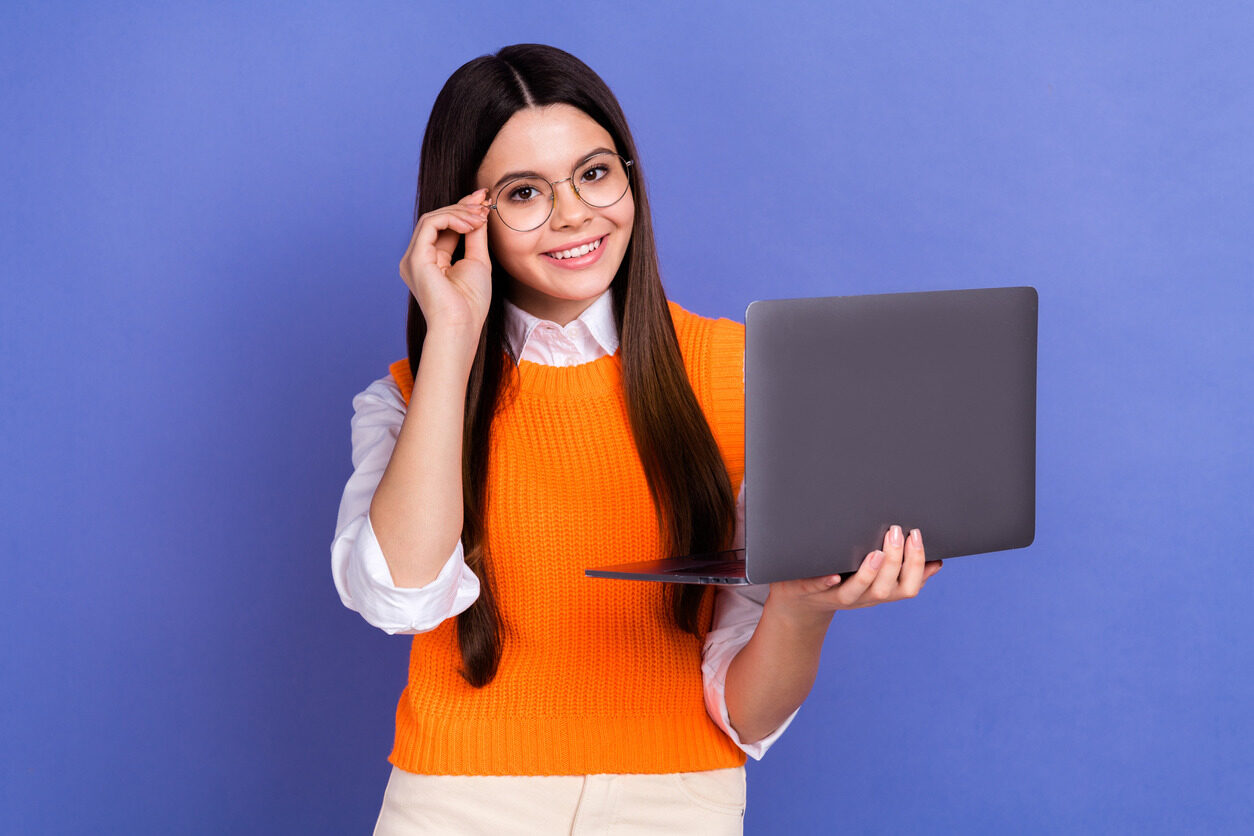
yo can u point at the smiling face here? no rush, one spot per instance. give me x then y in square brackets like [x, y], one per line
[550, 141]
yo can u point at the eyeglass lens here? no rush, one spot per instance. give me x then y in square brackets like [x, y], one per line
[526, 203]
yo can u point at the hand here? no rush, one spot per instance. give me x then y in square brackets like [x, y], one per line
[897, 571]
[451, 296]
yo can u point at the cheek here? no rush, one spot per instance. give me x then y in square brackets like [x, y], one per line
[507, 248]
[626, 214]
[496, 242]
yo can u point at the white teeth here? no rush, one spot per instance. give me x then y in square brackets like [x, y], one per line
[577, 251]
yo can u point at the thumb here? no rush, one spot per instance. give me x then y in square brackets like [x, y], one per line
[477, 244]
[811, 586]
[821, 584]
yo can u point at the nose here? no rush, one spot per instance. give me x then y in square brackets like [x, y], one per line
[568, 209]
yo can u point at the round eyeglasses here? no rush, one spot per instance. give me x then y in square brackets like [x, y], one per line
[525, 203]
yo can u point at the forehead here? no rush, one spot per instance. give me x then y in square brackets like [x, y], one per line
[548, 140]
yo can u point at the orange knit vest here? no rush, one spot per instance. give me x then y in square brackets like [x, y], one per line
[594, 676]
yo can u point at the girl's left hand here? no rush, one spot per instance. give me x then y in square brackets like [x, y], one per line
[897, 571]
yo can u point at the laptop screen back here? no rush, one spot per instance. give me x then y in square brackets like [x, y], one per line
[909, 408]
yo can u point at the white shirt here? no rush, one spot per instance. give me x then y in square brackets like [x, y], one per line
[361, 573]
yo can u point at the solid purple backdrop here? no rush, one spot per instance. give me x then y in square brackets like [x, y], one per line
[204, 207]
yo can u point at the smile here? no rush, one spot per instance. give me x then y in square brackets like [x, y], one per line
[576, 252]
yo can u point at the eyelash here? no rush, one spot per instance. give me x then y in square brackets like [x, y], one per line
[599, 167]
[513, 194]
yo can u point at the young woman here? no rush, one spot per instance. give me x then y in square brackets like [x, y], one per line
[561, 414]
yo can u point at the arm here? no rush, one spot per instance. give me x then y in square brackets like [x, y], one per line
[358, 565]
[738, 615]
[417, 510]
[737, 611]
[774, 672]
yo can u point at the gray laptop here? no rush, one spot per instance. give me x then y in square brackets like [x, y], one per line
[864, 411]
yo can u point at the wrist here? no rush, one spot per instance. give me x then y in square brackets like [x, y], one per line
[452, 341]
[797, 618]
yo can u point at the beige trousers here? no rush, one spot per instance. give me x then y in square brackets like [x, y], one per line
[703, 803]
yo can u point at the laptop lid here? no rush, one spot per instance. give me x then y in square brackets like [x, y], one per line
[865, 411]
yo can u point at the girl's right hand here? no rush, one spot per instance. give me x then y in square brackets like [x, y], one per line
[453, 297]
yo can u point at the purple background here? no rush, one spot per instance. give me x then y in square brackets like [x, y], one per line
[203, 210]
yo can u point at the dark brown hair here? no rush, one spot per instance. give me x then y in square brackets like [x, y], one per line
[691, 490]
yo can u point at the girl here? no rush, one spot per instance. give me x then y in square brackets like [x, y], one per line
[555, 412]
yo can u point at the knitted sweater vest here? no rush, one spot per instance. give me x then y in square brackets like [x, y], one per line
[594, 676]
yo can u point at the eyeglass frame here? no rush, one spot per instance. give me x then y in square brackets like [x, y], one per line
[571, 179]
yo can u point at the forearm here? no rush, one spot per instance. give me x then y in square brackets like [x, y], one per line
[416, 511]
[773, 673]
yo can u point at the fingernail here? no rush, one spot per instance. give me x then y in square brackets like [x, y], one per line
[833, 580]
[894, 535]
[877, 558]
[916, 538]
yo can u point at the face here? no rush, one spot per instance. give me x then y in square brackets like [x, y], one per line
[551, 141]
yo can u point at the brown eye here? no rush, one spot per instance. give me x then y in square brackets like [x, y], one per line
[594, 174]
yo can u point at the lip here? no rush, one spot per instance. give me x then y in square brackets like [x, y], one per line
[583, 260]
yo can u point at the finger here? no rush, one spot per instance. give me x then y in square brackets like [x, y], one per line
[427, 233]
[452, 225]
[812, 586]
[435, 238]
[912, 566]
[445, 243]
[477, 243]
[471, 215]
[475, 198]
[435, 231]
[476, 203]
[884, 587]
[853, 587]
[932, 568]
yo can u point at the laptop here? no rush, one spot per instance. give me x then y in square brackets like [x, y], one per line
[863, 411]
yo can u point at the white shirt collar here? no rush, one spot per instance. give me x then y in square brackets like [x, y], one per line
[593, 334]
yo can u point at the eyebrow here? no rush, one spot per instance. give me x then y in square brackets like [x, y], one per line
[514, 175]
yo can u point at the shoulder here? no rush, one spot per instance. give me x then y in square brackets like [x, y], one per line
[688, 321]
[378, 413]
[402, 377]
[714, 354]
[382, 395]
[704, 337]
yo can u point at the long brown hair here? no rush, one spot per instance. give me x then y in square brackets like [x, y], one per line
[688, 481]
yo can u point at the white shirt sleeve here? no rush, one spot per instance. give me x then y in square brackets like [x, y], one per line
[361, 573]
[737, 611]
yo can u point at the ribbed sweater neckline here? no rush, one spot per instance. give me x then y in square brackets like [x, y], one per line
[587, 380]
